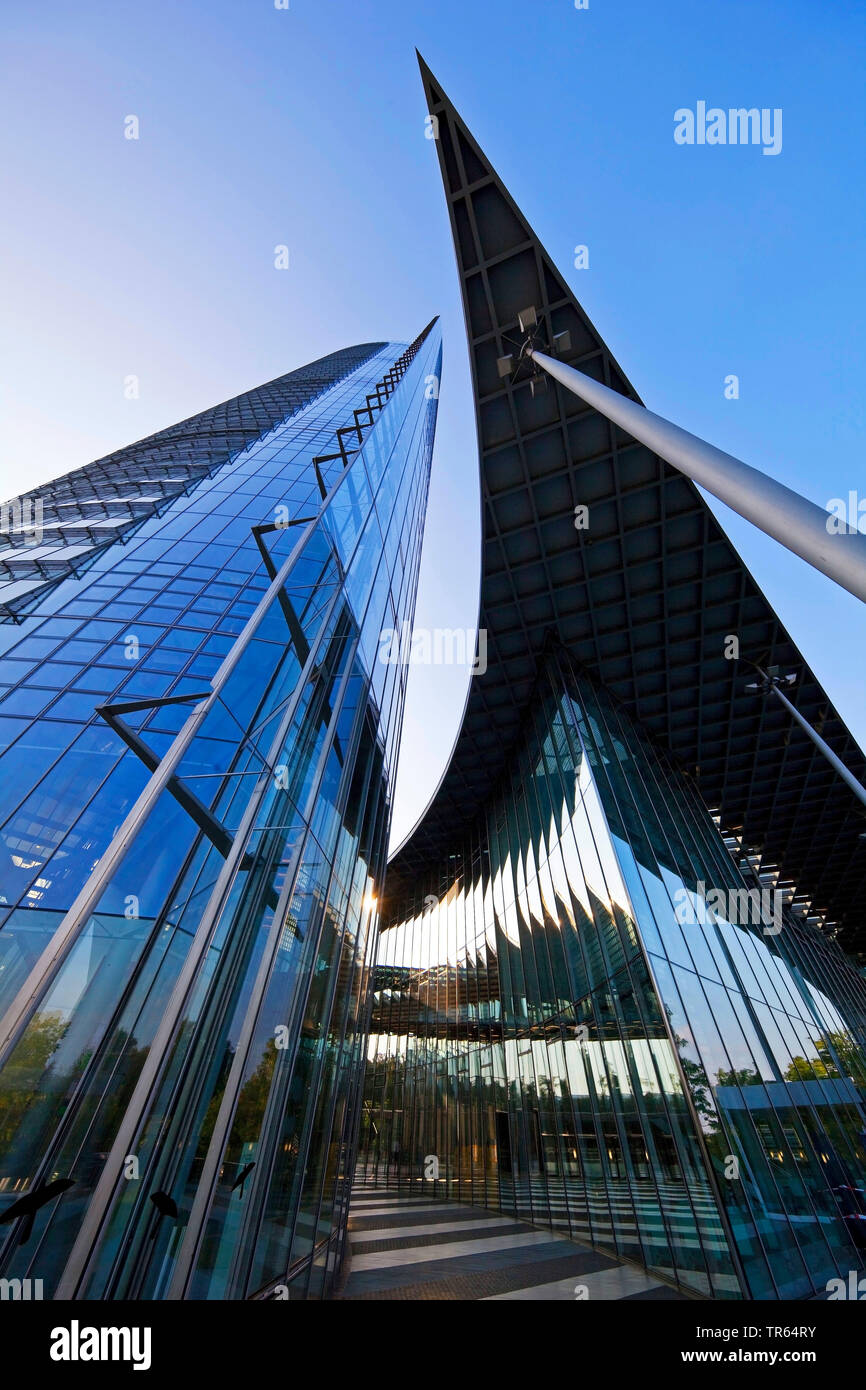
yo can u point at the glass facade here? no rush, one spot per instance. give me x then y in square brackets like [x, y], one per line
[581, 1018]
[58, 529]
[195, 790]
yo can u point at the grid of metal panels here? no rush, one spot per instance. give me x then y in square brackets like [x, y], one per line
[643, 599]
[86, 510]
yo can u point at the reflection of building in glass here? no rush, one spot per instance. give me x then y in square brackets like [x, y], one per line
[518, 1035]
[195, 793]
[548, 1034]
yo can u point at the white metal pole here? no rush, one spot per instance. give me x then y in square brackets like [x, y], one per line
[848, 777]
[792, 520]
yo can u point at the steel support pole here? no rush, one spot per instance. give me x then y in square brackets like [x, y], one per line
[847, 777]
[796, 523]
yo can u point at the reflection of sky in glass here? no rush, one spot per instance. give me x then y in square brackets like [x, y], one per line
[559, 906]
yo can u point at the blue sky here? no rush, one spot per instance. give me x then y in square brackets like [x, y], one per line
[305, 127]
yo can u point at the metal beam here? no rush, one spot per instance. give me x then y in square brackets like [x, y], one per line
[196, 809]
[772, 683]
[799, 525]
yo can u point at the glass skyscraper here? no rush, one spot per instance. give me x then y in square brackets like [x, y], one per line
[198, 759]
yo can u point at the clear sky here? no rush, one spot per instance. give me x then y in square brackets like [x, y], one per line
[304, 127]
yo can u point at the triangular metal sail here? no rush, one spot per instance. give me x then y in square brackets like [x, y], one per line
[644, 598]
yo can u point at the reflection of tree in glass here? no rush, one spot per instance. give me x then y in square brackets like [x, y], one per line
[123, 1063]
[823, 1066]
[744, 1076]
[251, 1106]
[803, 1070]
[699, 1086]
[696, 1078]
[23, 1074]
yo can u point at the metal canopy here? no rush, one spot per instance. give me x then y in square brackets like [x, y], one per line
[643, 599]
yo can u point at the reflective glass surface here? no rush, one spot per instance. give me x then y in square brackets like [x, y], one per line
[195, 795]
[562, 1028]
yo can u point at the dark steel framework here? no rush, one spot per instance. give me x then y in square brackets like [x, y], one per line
[643, 599]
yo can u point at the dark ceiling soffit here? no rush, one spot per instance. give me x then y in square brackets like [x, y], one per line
[643, 600]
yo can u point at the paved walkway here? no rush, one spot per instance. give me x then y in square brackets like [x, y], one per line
[408, 1248]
